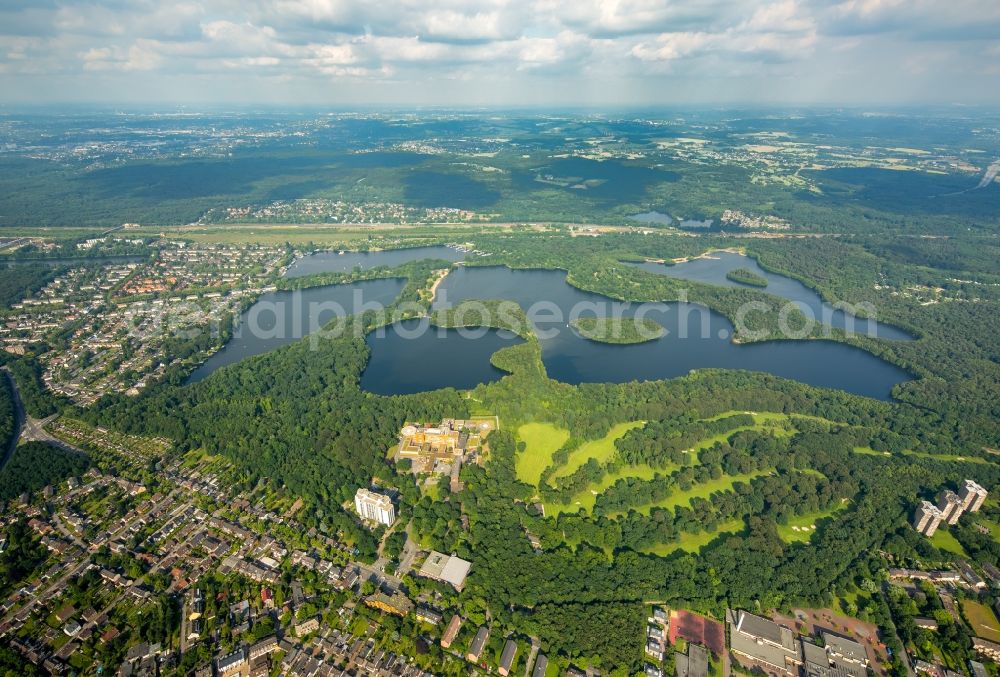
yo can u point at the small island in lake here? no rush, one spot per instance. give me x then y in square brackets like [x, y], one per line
[618, 330]
[746, 276]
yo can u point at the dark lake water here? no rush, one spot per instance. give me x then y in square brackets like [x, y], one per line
[713, 271]
[334, 262]
[696, 338]
[411, 357]
[658, 218]
[282, 317]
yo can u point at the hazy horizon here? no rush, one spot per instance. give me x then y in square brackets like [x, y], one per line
[500, 53]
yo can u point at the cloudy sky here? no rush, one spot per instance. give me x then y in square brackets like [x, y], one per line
[500, 52]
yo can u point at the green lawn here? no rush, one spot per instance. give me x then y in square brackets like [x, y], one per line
[982, 619]
[695, 542]
[600, 450]
[992, 526]
[801, 528]
[923, 454]
[542, 440]
[702, 490]
[943, 540]
[588, 497]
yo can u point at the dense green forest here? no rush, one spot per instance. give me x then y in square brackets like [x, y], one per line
[297, 417]
[21, 281]
[620, 331]
[692, 504]
[35, 465]
[746, 276]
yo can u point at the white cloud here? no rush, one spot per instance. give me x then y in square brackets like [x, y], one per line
[597, 47]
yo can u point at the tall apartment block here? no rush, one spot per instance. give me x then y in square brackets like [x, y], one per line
[972, 496]
[375, 507]
[951, 506]
[927, 519]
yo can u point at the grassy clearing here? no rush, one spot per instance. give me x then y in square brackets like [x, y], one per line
[695, 542]
[992, 526]
[601, 450]
[982, 619]
[587, 498]
[764, 421]
[800, 529]
[541, 441]
[923, 454]
[943, 540]
[703, 490]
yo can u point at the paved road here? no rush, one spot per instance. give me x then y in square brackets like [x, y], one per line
[31, 429]
[530, 663]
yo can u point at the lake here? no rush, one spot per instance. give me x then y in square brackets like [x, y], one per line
[713, 269]
[412, 357]
[334, 262]
[282, 317]
[696, 338]
[654, 217]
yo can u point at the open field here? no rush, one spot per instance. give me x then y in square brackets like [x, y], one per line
[802, 527]
[702, 490]
[542, 440]
[587, 498]
[695, 542]
[922, 454]
[982, 619]
[777, 423]
[992, 526]
[600, 450]
[943, 540]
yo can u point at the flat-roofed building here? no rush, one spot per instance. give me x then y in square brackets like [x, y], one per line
[846, 653]
[951, 506]
[447, 568]
[478, 644]
[375, 507]
[972, 496]
[927, 518]
[763, 641]
[692, 664]
[507, 657]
